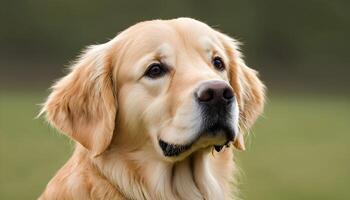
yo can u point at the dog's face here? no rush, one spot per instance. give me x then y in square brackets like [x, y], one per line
[172, 87]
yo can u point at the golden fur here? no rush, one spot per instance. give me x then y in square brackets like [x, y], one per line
[116, 116]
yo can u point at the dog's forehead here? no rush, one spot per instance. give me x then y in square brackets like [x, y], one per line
[172, 41]
[150, 35]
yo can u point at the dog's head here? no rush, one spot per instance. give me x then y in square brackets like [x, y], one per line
[172, 87]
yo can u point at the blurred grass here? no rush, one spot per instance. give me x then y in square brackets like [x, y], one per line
[30, 151]
[298, 150]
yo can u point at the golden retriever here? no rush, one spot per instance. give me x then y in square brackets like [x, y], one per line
[155, 113]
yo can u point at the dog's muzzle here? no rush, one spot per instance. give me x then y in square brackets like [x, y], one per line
[215, 100]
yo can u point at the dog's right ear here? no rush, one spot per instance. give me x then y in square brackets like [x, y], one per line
[83, 103]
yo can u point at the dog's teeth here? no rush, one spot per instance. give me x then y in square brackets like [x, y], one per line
[218, 148]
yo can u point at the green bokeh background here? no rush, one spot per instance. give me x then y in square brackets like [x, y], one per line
[299, 149]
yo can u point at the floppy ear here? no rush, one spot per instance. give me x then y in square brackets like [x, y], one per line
[82, 104]
[250, 91]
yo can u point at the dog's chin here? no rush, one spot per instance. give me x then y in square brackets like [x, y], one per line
[215, 139]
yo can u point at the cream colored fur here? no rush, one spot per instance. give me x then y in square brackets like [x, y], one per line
[116, 115]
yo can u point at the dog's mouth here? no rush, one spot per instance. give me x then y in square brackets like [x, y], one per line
[173, 150]
[170, 150]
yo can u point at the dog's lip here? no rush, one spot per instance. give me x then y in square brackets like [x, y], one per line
[219, 147]
[171, 150]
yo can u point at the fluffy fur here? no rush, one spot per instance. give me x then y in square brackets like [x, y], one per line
[116, 115]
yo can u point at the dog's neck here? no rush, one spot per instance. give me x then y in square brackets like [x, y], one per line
[137, 175]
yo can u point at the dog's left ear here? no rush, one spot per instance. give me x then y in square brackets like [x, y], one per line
[249, 90]
[83, 104]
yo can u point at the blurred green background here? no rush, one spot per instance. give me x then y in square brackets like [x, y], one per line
[299, 149]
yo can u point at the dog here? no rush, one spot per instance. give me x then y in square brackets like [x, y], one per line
[155, 113]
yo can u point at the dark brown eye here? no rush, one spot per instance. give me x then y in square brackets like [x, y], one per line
[218, 63]
[156, 70]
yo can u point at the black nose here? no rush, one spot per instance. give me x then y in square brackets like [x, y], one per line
[213, 92]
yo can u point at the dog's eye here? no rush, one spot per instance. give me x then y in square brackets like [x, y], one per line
[218, 63]
[156, 70]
